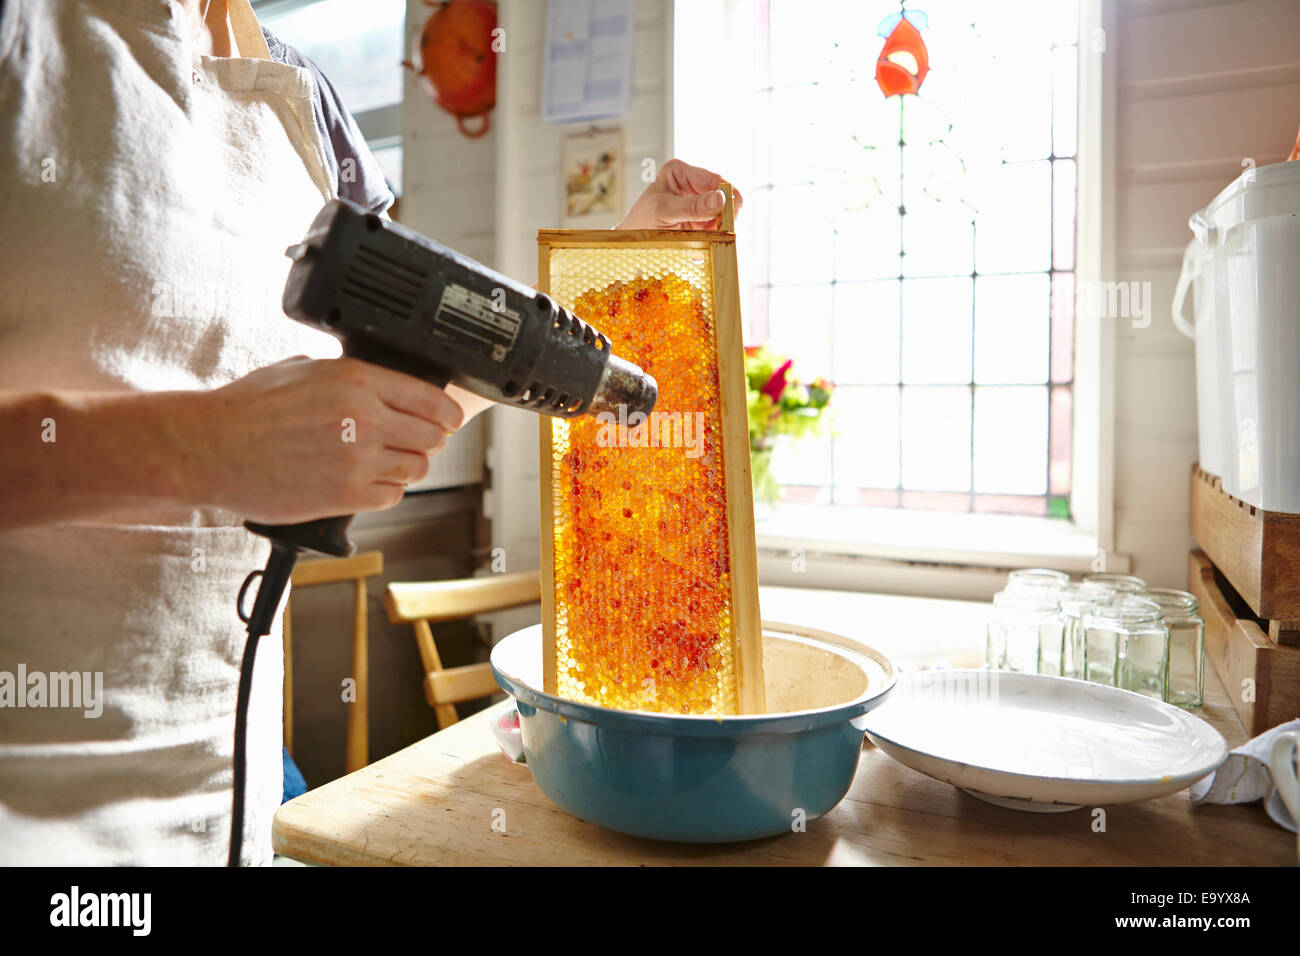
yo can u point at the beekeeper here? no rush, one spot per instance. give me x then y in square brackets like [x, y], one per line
[159, 157]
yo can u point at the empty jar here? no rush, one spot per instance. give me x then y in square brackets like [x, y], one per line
[1126, 645]
[1119, 583]
[1037, 578]
[1022, 625]
[1186, 684]
[1074, 603]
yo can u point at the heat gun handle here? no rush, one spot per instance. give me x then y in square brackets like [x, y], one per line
[330, 535]
[325, 535]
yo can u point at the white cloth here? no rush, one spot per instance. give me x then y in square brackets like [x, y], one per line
[1245, 777]
[149, 195]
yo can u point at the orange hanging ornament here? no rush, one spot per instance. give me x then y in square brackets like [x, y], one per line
[458, 60]
[904, 60]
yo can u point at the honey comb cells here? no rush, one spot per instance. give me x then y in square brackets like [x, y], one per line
[641, 556]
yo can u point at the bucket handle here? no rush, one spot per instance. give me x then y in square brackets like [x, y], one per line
[1194, 258]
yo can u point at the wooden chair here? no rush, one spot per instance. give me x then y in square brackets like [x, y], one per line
[309, 574]
[423, 602]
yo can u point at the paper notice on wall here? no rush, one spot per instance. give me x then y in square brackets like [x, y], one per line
[587, 70]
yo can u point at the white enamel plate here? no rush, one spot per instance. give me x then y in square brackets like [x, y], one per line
[1040, 743]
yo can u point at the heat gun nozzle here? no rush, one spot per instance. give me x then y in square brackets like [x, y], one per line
[623, 383]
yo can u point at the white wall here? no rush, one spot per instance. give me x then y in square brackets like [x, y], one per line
[1201, 86]
[448, 194]
[448, 180]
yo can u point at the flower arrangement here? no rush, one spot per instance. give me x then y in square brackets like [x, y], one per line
[779, 404]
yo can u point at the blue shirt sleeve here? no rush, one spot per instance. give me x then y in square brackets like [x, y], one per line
[353, 166]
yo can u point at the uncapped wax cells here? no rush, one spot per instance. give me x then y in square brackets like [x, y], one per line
[641, 561]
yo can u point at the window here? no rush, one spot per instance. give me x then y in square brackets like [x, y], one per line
[360, 48]
[918, 250]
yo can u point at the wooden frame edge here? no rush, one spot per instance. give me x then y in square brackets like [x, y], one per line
[746, 618]
[550, 681]
[632, 238]
[729, 346]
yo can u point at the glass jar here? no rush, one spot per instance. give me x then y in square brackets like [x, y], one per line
[1126, 645]
[1119, 583]
[1186, 684]
[1037, 578]
[1074, 603]
[1023, 625]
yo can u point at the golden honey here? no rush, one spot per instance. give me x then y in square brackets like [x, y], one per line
[641, 559]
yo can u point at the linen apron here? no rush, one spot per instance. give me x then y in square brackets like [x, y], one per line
[148, 198]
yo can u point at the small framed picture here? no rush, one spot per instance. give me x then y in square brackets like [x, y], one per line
[594, 168]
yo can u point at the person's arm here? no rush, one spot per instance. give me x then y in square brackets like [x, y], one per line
[294, 441]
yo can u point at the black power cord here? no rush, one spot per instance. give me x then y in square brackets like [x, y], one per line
[275, 578]
[241, 749]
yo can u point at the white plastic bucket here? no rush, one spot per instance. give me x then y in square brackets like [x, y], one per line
[1198, 278]
[1251, 234]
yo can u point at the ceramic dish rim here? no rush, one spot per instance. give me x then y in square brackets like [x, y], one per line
[706, 725]
[1162, 780]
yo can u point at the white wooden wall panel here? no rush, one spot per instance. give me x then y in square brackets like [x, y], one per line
[1201, 86]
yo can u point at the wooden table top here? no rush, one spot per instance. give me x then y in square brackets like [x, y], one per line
[436, 802]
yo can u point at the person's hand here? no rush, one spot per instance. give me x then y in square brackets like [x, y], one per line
[305, 439]
[681, 197]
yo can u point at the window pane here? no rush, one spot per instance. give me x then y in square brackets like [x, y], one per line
[1022, 120]
[936, 439]
[1062, 327]
[799, 327]
[938, 239]
[932, 280]
[1013, 228]
[1063, 192]
[1062, 436]
[805, 462]
[794, 113]
[871, 132]
[866, 448]
[1011, 440]
[361, 55]
[801, 44]
[760, 113]
[934, 173]
[866, 243]
[866, 334]
[1011, 329]
[936, 330]
[801, 236]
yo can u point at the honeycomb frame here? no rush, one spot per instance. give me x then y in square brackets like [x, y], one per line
[706, 660]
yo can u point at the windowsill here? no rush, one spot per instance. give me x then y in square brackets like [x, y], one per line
[931, 537]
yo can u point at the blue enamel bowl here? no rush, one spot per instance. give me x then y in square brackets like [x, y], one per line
[699, 779]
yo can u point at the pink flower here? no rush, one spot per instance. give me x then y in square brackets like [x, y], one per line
[776, 384]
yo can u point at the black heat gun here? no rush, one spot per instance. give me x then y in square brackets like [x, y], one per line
[400, 300]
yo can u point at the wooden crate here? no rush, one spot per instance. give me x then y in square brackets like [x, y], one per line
[1262, 678]
[1257, 551]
